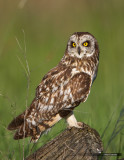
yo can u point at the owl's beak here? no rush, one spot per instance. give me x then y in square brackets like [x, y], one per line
[79, 50]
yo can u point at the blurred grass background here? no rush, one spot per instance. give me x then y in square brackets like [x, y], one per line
[47, 26]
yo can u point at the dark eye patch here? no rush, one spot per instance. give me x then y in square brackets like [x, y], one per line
[86, 44]
[73, 44]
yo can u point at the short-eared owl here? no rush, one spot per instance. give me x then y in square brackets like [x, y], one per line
[61, 89]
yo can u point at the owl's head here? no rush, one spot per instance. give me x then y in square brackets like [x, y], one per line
[81, 44]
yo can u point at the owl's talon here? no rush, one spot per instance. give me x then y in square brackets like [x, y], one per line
[80, 124]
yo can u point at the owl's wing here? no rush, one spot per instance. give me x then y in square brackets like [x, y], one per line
[64, 89]
[61, 89]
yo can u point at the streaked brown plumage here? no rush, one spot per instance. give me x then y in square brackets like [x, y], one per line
[62, 89]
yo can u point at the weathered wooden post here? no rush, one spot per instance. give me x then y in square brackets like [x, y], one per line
[72, 144]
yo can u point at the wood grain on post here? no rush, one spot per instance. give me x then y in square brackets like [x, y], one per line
[72, 144]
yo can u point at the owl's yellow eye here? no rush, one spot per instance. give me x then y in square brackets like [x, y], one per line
[73, 44]
[85, 44]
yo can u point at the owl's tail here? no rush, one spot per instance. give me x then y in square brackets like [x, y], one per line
[16, 122]
[20, 125]
[25, 130]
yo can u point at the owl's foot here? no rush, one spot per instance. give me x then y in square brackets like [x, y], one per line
[80, 124]
[77, 125]
[72, 122]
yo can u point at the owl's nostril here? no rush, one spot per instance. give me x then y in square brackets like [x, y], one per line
[79, 50]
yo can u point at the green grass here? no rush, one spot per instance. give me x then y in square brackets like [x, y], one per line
[47, 27]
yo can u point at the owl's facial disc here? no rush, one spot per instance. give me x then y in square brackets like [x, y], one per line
[81, 46]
